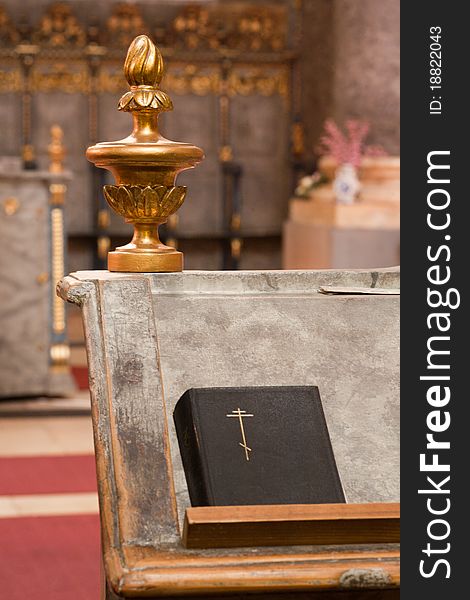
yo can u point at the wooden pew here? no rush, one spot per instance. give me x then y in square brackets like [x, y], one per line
[150, 337]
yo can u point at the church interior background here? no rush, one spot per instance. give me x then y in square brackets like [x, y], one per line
[262, 87]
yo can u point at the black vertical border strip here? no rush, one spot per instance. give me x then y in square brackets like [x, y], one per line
[422, 133]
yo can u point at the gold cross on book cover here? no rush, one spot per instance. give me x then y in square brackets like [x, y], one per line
[240, 415]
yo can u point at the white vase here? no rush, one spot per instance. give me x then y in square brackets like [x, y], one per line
[346, 185]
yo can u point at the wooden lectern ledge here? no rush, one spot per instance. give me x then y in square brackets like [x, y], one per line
[150, 337]
[291, 524]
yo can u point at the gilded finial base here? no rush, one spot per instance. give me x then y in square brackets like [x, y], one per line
[139, 262]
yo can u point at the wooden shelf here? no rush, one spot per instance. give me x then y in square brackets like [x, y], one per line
[291, 524]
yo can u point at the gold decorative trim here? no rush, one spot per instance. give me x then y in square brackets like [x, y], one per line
[200, 80]
[42, 277]
[124, 24]
[103, 244]
[59, 27]
[103, 219]
[11, 206]
[11, 81]
[8, 33]
[28, 154]
[236, 248]
[229, 26]
[57, 191]
[109, 81]
[59, 355]
[56, 150]
[226, 154]
[57, 270]
[59, 76]
[235, 222]
[140, 202]
[258, 81]
[192, 79]
[298, 139]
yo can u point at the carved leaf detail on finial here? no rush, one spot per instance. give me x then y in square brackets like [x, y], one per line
[137, 202]
[145, 99]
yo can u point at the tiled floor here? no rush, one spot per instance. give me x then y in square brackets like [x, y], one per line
[41, 505]
[40, 436]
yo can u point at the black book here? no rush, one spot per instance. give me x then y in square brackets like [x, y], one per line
[256, 445]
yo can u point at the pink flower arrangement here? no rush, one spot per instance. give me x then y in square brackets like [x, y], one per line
[349, 148]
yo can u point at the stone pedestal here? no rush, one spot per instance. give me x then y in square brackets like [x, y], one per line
[311, 246]
[322, 233]
[33, 342]
[151, 337]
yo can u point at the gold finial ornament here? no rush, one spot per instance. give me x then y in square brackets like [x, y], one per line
[145, 166]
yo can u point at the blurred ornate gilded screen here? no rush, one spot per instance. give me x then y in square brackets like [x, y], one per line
[231, 71]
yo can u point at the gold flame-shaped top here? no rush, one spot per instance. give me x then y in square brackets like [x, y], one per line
[144, 63]
[143, 69]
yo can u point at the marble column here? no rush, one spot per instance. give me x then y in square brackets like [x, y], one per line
[351, 67]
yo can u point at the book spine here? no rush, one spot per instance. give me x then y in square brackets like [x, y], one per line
[191, 451]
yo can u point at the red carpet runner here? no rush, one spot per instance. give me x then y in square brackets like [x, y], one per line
[81, 377]
[47, 475]
[49, 557]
